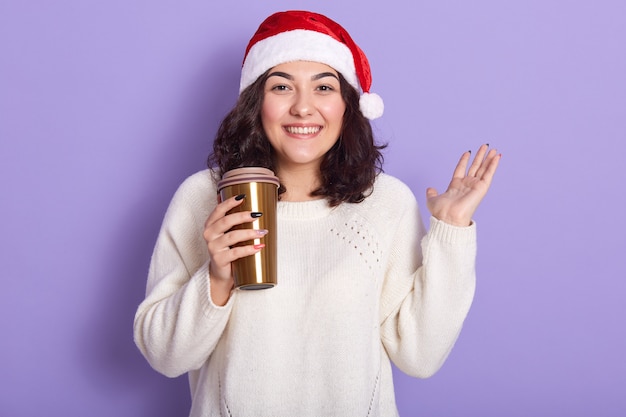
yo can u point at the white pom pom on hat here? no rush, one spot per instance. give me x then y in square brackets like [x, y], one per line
[371, 105]
[298, 35]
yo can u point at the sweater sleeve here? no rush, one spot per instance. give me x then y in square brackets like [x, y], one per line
[177, 326]
[427, 293]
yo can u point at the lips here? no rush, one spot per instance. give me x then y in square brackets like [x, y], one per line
[303, 130]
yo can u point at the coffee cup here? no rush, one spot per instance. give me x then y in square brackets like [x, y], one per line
[260, 187]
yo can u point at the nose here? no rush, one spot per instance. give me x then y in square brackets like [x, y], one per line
[302, 105]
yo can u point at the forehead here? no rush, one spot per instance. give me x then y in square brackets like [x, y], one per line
[304, 68]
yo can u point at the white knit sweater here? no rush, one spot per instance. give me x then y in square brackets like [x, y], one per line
[355, 290]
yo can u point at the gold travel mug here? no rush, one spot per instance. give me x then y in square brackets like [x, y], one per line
[260, 186]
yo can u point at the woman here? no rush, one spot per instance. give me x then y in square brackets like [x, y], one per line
[356, 290]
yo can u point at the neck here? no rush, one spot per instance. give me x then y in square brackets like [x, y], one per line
[299, 183]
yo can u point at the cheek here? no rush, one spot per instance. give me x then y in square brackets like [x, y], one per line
[266, 116]
[270, 121]
[271, 112]
[335, 112]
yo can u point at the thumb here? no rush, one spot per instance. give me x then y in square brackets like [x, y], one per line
[431, 192]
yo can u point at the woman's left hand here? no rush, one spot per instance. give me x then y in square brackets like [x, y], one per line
[466, 190]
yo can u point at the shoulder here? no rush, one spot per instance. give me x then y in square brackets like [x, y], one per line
[390, 198]
[387, 185]
[389, 213]
[198, 185]
[196, 192]
[391, 193]
[200, 181]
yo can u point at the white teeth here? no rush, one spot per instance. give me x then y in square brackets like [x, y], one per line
[309, 130]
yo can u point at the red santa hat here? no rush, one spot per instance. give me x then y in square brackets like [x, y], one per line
[305, 36]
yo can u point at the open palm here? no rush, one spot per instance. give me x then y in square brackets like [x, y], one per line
[467, 188]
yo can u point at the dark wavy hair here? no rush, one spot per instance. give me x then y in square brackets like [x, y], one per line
[348, 169]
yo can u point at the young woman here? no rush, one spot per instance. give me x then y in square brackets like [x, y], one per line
[361, 281]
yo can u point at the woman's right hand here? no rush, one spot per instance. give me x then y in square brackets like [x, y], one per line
[221, 240]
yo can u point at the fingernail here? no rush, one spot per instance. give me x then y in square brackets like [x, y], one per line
[261, 232]
[240, 197]
[487, 144]
[259, 246]
[256, 214]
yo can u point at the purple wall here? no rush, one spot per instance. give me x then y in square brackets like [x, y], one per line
[106, 106]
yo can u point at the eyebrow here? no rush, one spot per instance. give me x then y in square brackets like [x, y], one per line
[324, 74]
[313, 78]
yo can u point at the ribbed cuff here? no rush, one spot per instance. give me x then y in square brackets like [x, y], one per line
[208, 307]
[448, 233]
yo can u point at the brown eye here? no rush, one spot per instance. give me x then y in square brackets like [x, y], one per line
[279, 88]
[326, 88]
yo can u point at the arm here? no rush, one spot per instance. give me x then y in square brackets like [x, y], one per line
[178, 325]
[425, 301]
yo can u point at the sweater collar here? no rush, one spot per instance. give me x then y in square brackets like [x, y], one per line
[303, 210]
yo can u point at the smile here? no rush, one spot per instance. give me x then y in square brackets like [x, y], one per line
[299, 130]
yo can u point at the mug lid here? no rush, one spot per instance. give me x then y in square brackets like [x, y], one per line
[247, 174]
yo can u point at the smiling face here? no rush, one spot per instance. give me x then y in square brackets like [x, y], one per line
[302, 113]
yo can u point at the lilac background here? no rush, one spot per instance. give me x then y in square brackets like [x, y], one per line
[107, 106]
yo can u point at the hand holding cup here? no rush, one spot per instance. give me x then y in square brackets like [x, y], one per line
[224, 242]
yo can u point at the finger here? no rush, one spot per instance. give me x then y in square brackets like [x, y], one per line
[431, 193]
[222, 225]
[221, 249]
[490, 166]
[485, 163]
[478, 160]
[222, 208]
[239, 237]
[461, 166]
[223, 259]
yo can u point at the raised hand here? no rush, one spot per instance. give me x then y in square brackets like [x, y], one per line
[466, 190]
